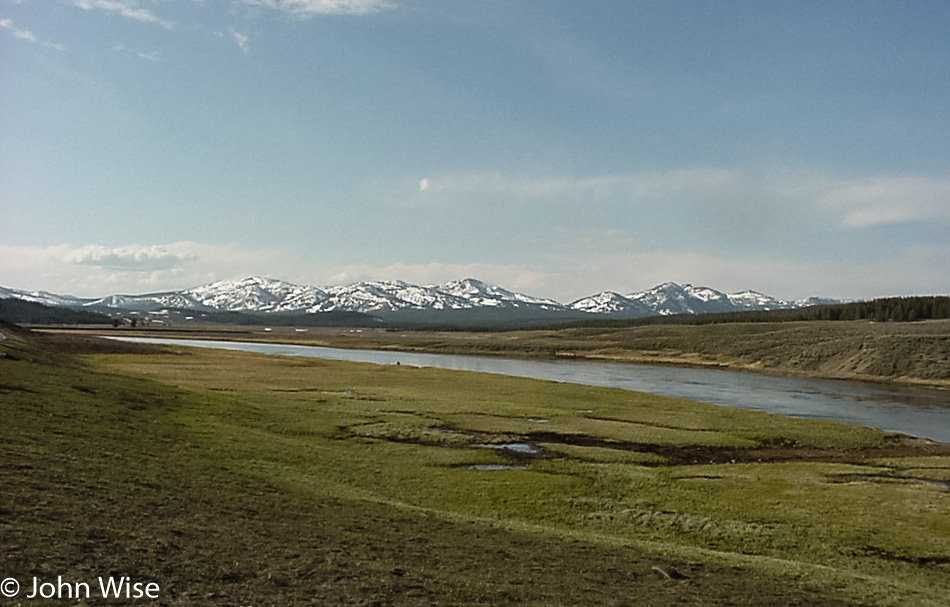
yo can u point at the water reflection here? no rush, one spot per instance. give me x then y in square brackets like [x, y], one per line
[521, 448]
[916, 411]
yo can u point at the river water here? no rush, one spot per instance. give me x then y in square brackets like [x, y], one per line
[916, 411]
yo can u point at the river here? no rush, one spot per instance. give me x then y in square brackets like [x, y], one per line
[915, 411]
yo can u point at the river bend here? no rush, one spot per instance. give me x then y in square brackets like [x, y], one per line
[915, 411]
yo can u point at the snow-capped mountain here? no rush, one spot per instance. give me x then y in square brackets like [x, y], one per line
[482, 294]
[389, 296]
[142, 303]
[670, 298]
[43, 297]
[254, 294]
[610, 302]
[267, 295]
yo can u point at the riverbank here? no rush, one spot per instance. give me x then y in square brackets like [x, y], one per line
[901, 353]
[915, 411]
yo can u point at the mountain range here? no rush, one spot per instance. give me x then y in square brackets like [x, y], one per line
[389, 298]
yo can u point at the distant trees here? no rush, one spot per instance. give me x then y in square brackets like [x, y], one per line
[19, 311]
[889, 309]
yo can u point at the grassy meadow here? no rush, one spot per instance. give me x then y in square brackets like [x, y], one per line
[232, 478]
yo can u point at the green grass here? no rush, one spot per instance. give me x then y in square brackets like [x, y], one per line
[247, 477]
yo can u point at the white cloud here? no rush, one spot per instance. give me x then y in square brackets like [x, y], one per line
[567, 265]
[241, 41]
[889, 200]
[659, 185]
[864, 202]
[309, 8]
[134, 258]
[125, 8]
[27, 35]
[605, 260]
[24, 35]
[96, 270]
[150, 56]
[429, 191]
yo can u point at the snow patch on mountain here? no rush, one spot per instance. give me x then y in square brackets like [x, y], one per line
[268, 295]
[42, 297]
[477, 293]
[671, 298]
[255, 294]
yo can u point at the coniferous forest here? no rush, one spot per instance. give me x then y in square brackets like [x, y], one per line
[888, 309]
[895, 309]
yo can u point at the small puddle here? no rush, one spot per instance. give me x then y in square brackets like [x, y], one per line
[846, 478]
[522, 448]
[537, 420]
[495, 467]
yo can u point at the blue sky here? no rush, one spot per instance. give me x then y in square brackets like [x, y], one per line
[559, 148]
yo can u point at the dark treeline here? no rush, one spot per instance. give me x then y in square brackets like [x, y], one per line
[281, 319]
[889, 309]
[895, 309]
[19, 311]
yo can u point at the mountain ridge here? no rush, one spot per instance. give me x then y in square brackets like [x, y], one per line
[256, 294]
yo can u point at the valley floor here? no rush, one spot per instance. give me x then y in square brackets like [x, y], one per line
[236, 479]
[911, 353]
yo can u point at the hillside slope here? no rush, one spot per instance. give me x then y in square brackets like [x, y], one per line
[911, 352]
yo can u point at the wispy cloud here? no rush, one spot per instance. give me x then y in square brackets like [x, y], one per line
[24, 35]
[647, 185]
[585, 262]
[132, 258]
[573, 264]
[94, 270]
[863, 202]
[889, 200]
[129, 9]
[27, 35]
[152, 56]
[309, 8]
[241, 41]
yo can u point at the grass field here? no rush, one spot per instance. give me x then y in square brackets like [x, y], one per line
[237, 479]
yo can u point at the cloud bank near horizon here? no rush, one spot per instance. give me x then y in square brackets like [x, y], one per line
[96, 270]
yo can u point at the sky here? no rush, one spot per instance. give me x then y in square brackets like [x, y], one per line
[554, 147]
